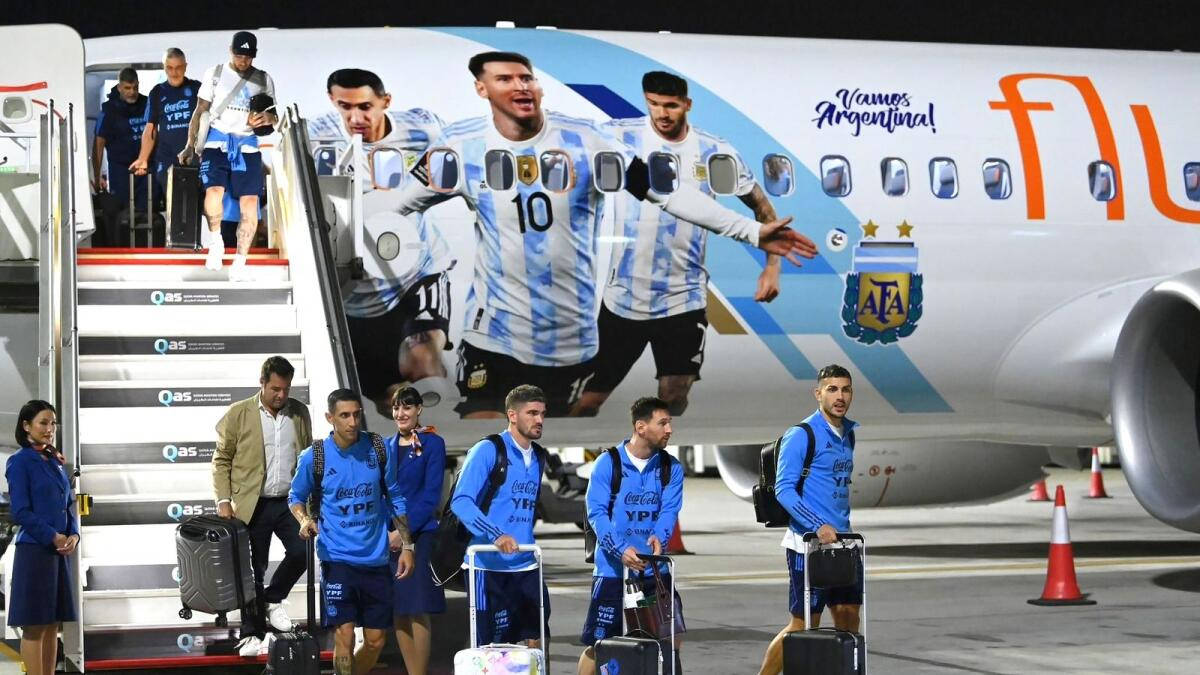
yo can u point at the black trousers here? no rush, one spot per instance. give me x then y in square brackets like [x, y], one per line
[272, 516]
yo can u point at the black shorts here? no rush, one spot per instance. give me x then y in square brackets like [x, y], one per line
[485, 378]
[243, 180]
[677, 343]
[376, 340]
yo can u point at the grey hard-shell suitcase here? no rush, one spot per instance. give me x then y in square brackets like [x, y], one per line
[215, 575]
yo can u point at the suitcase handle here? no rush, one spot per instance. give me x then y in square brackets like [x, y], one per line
[536, 550]
[810, 536]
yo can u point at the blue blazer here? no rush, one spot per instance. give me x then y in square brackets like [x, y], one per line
[40, 492]
[420, 477]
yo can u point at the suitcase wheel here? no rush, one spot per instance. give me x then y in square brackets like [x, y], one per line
[185, 613]
[222, 620]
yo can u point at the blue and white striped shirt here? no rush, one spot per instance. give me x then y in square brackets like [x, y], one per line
[657, 267]
[410, 133]
[533, 296]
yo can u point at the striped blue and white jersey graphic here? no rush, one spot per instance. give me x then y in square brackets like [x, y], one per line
[657, 267]
[410, 133]
[533, 296]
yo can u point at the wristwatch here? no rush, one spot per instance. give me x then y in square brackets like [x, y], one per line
[408, 547]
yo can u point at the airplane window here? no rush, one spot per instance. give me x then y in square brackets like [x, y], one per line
[500, 169]
[325, 159]
[664, 172]
[609, 171]
[835, 175]
[1103, 181]
[558, 173]
[722, 174]
[777, 175]
[443, 169]
[895, 176]
[996, 181]
[943, 178]
[1191, 180]
[387, 168]
[15, 110]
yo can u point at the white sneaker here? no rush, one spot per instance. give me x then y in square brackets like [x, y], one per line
[278, 617]
[216, 251]
[238, 271]
[249, 647]
[265, 649]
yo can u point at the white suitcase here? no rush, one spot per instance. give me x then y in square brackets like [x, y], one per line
[501, 658]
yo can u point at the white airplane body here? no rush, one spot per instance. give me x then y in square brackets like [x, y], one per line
[1002, 344]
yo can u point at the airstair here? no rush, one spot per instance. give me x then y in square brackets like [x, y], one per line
[163, 347]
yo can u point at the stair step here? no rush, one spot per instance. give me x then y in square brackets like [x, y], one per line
[86, 250]
[116, 319]
[163, 577]
[108, 548]
[159, 367]
[146, 456]
[116, 269]
[178, 258]
[136, 426]
[210, 342]
[146, 478]
[185, 293]
[176, 393]
[157, 607]
[151, 509]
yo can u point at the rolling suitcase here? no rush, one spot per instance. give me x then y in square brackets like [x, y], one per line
[298, 652]
[215, 576]
[640, 652]
[183, 207]
[150, 220]
[826, 651]
[501, 658]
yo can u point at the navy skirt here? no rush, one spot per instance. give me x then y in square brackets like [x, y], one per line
[41, 590]
[417, 594]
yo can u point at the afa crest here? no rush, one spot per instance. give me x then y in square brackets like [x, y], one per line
[883, 295]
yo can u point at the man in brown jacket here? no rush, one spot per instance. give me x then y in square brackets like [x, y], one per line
[258, 443]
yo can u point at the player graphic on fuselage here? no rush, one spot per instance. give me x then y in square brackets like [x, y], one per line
[399, 325]
[530, 316]
[657, 286]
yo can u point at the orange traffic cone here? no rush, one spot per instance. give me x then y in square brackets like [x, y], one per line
[675, 545]
[1097, 491]
[1039, 492]
[1061, 586]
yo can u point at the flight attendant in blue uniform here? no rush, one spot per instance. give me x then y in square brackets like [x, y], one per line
[41, 596]
[418, 456]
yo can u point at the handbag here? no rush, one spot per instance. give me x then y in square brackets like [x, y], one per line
[651, 614]
[834, 566]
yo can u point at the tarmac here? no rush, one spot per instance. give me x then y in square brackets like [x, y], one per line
[946, 588]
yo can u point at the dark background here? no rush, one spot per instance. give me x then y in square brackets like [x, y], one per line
[1130, 24]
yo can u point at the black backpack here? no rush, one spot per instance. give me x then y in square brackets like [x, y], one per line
[451, 539]
[767, 509]
[589, 535]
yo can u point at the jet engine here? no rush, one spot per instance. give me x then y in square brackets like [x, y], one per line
[913, 472]
[1155, 408]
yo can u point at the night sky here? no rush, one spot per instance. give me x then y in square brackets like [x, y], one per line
[1129, 24]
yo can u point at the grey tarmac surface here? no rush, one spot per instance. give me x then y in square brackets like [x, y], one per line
[946, 588]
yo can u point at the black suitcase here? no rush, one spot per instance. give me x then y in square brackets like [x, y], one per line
[828, 651]
[183, 207]
[629, 656]
[215, 576]
[298, 652]
[824, 651]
